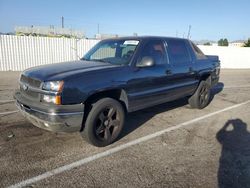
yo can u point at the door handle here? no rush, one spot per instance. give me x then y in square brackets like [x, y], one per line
[168, 72]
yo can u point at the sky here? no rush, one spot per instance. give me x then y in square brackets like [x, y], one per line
[209, 19]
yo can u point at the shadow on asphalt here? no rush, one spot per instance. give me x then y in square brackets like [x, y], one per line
[136, 119]
[234, 169]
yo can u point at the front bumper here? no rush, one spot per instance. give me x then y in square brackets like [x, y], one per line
[56, 118]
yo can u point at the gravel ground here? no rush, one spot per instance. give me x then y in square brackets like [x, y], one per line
[212, 152]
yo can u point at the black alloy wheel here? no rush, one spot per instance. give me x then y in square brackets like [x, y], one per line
[200, 99]
[107, 124]
[203, 95]
[104, 122]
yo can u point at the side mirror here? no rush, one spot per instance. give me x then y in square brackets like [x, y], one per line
[146, 61]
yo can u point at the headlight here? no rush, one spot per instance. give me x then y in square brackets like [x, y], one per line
[56, 86]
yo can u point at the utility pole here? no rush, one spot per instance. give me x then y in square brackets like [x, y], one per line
[98, 28]
[62, 22]
[189, 30]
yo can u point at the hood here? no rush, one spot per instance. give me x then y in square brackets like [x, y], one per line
[59, 71]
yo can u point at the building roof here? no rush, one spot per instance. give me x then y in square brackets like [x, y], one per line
[238, 41]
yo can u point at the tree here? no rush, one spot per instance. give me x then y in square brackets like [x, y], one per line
[247, 43]
[223, 42]
[220, 42]
[207, 44]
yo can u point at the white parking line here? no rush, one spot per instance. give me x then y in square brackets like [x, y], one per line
[118, 148]
[9, 112]
[6, 101]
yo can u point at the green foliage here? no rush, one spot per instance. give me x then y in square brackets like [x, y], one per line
[207, 44]
[223, 42]
[247, 43]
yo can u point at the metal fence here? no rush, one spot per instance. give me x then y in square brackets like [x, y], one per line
[21, 52]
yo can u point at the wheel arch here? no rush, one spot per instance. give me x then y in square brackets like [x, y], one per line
[118, 94]
[206, 77]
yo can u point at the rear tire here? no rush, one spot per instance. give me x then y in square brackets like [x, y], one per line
[200, 99]
[104, 122]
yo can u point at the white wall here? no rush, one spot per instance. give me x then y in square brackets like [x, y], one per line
[230, 57]
[21, 52]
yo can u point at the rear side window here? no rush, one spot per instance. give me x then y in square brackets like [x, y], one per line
[178, 52]
[198, 53]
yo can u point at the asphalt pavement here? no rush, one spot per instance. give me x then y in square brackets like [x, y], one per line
[169, 145]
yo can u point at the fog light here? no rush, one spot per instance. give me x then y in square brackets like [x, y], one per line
[52, 99]
[49, 98]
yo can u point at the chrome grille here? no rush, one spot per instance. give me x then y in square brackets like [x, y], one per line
[29, 93]
[29, 82]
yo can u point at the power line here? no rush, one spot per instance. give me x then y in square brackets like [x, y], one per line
[62, 22]
[189, 31]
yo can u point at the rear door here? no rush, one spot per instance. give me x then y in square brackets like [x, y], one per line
[184, 75]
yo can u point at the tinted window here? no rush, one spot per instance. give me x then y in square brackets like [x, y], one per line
[105, 51]
[128, 51]
[112, 51]
[154, 49]
[178, 52]
[198, 53]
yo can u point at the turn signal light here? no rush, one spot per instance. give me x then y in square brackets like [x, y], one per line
[58, 100]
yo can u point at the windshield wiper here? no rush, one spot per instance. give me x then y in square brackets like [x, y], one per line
[84, 59]
[101, 60]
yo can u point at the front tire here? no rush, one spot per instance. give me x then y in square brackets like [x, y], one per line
[200, 99]
[104, 122]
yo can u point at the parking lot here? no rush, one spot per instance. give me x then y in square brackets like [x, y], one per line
[170, 145]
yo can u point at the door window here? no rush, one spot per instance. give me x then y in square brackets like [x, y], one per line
[178, 52]
[154, 49]
[198, 53]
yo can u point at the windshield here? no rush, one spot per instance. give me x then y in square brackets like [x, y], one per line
[112, 51]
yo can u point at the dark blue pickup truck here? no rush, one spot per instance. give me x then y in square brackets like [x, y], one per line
[116, 76]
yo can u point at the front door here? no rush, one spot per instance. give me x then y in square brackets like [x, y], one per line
[150, 85]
